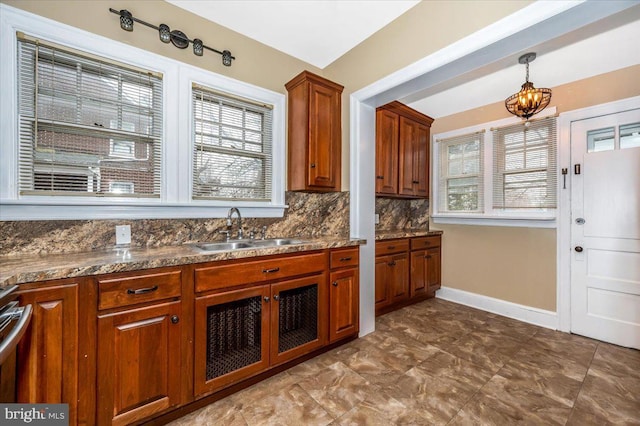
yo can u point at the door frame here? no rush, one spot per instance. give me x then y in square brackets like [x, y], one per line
[563, 232]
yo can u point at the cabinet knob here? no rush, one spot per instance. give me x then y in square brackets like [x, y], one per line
[276, 297]
[416, 181]
[335, 283]
[393, 263]
[175, 319]
[266, 299]
[312, 165]
[428, 256]
[379, 177]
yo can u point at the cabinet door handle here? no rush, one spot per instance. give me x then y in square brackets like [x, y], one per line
[276, 297]
[393, 263]
[345, 259]
[428, 256]
[175, 319]
[335, 283]
[312, 165]
[266, 299]
[142, 290]
[379, 177]
[269, 271]
[416, 181]
[391, 247]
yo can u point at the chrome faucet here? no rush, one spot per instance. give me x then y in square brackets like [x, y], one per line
[230, 223]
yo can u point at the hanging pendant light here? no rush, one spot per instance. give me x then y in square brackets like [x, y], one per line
[529, 100]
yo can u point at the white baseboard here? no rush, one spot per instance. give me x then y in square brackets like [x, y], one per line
[523, 313]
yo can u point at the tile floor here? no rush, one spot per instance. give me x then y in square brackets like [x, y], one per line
[438, 362]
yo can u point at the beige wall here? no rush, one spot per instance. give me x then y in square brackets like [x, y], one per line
[255, 62]
[422, 30]
[518, 264]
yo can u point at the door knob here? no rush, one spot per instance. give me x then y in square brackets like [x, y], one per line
[578, 249]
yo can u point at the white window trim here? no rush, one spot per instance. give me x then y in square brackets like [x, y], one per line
[175, 200]
[531, 218]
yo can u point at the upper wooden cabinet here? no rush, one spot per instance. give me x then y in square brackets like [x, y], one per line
[402, 151]
[314, 133]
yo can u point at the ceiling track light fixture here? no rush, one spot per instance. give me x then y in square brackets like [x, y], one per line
[176, 37]
[529, 100]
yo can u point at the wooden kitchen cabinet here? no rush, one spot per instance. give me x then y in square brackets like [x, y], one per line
[425, 265]
[277, 312]
[386, 152]
[314, 136]
[232, 338]
[344, 294]
[138, 362]
[298, 317]
[402, 151]
[48, 353]
[139, 344]
[419, 259]
[392, 274]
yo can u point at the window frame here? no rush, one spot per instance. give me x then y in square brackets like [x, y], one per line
[528, 217]
[176, 169]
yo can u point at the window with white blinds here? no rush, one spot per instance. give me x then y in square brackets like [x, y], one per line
[524, 159]
[232, 156]
[87, 126]
[461, 183]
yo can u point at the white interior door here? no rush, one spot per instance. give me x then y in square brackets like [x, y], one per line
[605, 230]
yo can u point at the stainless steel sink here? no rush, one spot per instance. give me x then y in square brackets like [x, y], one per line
[277, 242]
[245, 244]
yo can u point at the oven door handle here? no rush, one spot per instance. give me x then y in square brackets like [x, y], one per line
[11, 341]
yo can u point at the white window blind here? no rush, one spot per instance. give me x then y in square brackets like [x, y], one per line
[87, 124]
[525, 173]
[461, 173]
[232, 156]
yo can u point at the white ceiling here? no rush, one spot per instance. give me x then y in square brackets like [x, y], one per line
[320, 31]
[315, 31]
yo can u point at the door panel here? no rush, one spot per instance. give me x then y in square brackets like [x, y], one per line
[605, 262]
[321, 136]
[407, 135]
[386, 152]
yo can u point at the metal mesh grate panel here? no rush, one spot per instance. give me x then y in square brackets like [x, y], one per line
[233, 336]
[298, 317]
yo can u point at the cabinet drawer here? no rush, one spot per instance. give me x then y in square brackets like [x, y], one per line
[114, 293]
[391, 246]
[229, 275]
[425, 242]
[343, 258]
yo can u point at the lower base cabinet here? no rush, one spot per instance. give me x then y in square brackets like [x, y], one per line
[242, 332]
[125, 348]
[409, 275]
[48, 353]
[138, 363]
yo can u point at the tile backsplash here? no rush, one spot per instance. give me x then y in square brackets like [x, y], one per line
[308, 215]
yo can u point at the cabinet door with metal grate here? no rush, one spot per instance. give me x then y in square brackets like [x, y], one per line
[231, 340]
[298, 317]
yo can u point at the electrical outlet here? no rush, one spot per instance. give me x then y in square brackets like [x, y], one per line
[123, 234]
[377, 219]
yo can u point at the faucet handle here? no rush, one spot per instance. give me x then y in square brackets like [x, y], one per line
[264, 231]
[226, 234]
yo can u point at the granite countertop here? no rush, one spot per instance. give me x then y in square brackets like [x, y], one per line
[32, 268]
[404, 233]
